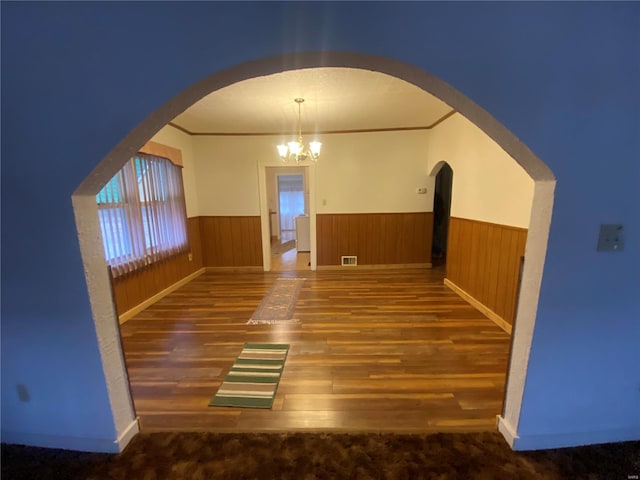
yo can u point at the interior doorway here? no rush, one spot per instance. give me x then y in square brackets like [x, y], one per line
[441, 213]
[288, 201]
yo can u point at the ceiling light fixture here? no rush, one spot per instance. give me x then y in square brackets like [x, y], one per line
[296, 150]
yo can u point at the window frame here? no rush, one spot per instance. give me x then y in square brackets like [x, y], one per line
[150, 202]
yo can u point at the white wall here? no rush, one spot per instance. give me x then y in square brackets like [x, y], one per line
[175, 138]
[488, 185]
[361, 173]
[373, 172]
[227, 180]
[356, 173]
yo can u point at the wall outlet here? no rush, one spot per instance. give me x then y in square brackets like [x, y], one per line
[190, 256]
[421, 190]
[611, 238]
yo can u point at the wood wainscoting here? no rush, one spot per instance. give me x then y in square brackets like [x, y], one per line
[214, 242]
[375, 238]
[378, 239]
[483, 262]
[231, 241]
[133, 290]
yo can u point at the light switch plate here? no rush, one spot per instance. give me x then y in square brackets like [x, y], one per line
[611, 238]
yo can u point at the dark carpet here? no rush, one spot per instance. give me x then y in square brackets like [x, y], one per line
[303, 456]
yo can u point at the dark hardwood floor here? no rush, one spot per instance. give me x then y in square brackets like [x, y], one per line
[375, 350]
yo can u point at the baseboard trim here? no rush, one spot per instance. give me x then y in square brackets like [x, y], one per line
[101, 445]
[98, 445]
[507, 431]
[151, 300]
[493, 316]
[386, 266]
[563, 440]
[575, 439]
[128, 434]
[249, 269]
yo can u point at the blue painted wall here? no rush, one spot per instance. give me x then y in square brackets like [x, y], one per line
[564, 77]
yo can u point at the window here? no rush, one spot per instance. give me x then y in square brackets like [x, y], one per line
[291, 202]
[142, 214]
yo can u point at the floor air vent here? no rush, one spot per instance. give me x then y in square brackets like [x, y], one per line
[349, 261]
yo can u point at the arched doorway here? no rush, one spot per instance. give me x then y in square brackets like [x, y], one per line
[441, 212]
[85, 210]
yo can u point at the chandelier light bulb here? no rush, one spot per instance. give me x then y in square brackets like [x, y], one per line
[282, 151]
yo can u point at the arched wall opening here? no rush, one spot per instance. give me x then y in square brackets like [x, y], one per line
[97, 278]
[442, 175]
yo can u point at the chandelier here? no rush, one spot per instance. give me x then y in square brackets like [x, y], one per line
[296, 150]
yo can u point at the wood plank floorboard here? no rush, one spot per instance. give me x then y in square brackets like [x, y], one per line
[374, 350]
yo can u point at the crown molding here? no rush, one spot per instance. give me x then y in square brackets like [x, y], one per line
[323, 132]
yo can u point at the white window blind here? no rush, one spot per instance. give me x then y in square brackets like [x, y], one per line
[142, 214]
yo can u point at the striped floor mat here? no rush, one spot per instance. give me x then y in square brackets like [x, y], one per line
[253, 379]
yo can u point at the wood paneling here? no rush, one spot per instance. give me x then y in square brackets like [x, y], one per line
[231, 241]
[483, 259]
[374, 350]
[376, 238]
[195, 241]
[131, 290]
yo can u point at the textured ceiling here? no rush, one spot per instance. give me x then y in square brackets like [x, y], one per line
[336, 99]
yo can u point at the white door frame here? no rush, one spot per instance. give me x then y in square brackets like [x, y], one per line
[310, 172]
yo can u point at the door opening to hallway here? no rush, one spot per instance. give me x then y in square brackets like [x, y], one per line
[290, 247]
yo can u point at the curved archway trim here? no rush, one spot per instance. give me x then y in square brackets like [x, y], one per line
[95, 266]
